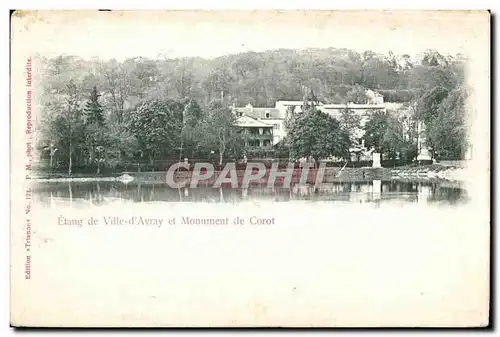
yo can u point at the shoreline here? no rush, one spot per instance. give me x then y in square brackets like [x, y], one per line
[332, 174]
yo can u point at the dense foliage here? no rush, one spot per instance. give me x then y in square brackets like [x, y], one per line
[96, 111]
[318, 135]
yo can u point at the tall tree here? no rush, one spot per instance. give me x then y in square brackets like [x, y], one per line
[350, 122]
[316, 134]
[393, 138]
[448, 131]
[73, 120]
[191, 133]
[427, 111]
[386, 133]
[433, 58]
[375, 129]
[221, 131]
[93, 111]
[357, 95]
[95, 133]
[157, 126]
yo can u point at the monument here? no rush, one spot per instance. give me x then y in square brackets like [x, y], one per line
[423, 152]
[424, 155]
[376, 160]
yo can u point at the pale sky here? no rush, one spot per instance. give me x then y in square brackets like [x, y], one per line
[208, 34]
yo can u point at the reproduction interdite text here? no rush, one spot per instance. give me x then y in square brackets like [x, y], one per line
[28, 168]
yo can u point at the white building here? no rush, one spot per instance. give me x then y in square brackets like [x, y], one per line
[363, 110]
[276, 116]
[259, 134]
[287, 107]
[270, 116]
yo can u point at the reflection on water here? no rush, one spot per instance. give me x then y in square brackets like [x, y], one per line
[101, 193]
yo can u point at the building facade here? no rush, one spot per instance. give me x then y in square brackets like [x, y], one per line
[258, 134]
[265, 116]
[264, 123]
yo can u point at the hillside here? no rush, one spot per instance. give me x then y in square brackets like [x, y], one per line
[256, 78]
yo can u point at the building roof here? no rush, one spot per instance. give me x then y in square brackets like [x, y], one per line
[296, 103]
[247, 121]
[260, 113]
[394, 106]
[353, 106]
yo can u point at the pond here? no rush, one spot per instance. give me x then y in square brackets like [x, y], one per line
[375, 191]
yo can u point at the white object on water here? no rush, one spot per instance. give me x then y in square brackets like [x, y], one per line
[125, 178]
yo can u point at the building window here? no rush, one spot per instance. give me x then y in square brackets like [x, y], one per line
[253, 143]
[267, 115]
[276, 126]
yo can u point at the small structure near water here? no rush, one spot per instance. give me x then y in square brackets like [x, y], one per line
[125, 178]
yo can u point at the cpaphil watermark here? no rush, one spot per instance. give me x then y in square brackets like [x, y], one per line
[254, 172]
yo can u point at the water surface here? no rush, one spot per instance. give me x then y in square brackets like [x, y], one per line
[376, 191]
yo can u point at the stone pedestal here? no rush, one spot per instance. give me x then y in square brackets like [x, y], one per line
[376, 160]
[424, 155]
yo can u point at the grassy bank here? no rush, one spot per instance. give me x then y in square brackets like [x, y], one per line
[331, 174]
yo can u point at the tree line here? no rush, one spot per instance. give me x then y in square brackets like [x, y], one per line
[96, 112]
[155, 129]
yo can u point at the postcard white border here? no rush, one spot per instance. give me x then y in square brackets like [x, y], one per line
[147, 4]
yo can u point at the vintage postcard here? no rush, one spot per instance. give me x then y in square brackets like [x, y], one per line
[283, 168]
